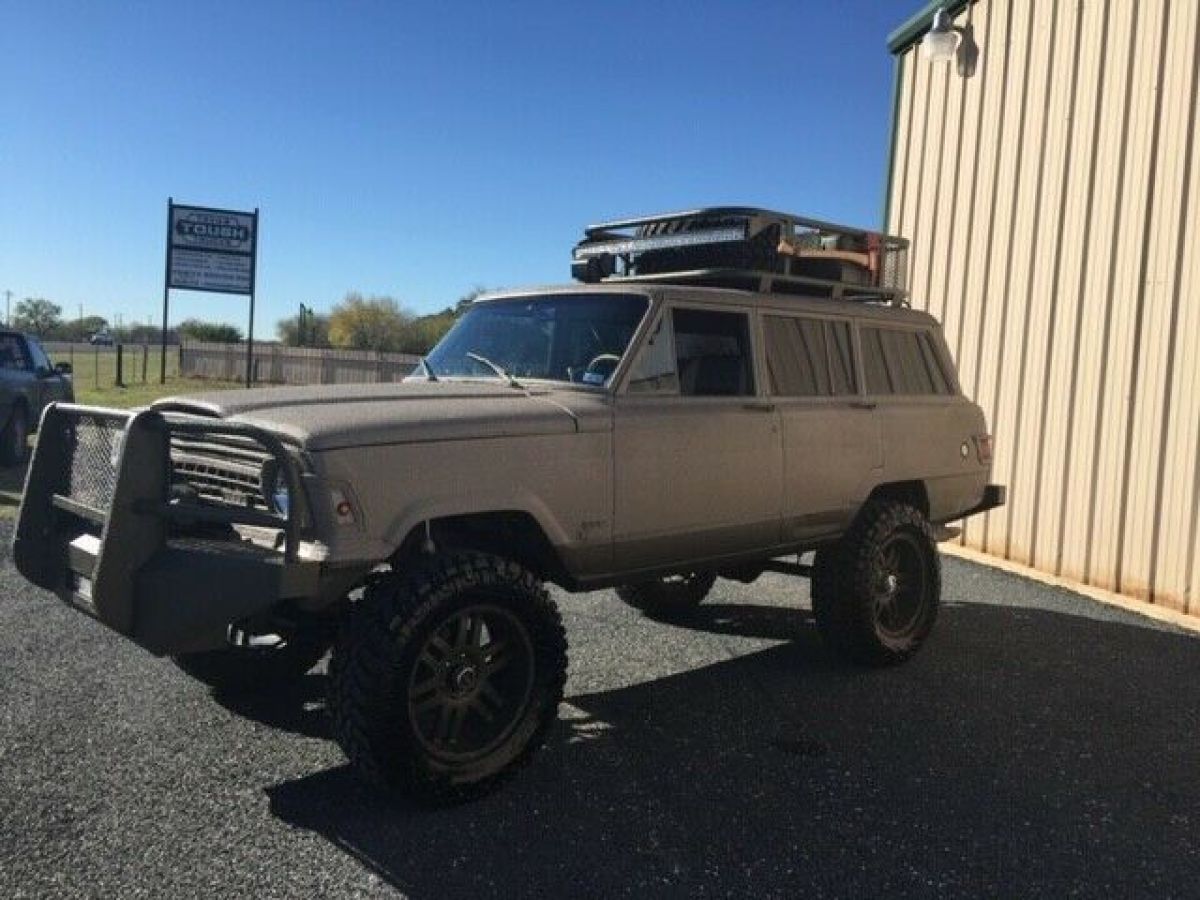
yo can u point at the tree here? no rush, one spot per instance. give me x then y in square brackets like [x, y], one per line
[316, 331]
[37, 314]
[368, 323]
[425, 331]
[211, 332]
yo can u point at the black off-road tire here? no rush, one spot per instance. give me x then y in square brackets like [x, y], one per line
[668, 598]
[234, 670]
[385, 658]
[863, 613]
[14, 440]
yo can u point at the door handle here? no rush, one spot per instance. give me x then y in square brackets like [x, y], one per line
[759, 406]
[863, 404]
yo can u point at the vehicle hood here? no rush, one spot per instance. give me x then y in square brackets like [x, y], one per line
[328, 417]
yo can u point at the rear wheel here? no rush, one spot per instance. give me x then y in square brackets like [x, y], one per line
[670, 597]
[446, 680]
[875, 593]
[256, 660]
[14, 440]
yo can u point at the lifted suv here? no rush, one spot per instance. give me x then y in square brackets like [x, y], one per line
[651, 430]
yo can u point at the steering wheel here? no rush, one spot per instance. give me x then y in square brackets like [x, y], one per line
[602, 365]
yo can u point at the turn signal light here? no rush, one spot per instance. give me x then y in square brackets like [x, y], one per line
[983, 447]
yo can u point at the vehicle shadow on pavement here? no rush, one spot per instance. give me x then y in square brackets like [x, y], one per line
[298, 708]
[1022, 751]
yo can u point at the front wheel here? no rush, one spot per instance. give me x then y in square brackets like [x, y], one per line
[876, 592]
[445, 680]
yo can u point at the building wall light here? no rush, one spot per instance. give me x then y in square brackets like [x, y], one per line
[946, 41]
[942, 40]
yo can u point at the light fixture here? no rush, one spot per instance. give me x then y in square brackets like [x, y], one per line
[941, 42]
[946, 41]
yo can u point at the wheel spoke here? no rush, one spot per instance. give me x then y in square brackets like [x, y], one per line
[498, 656]
[476, 638]
[417, 691]
[443, 724]
[464, 632]
[438, 643]
[427, 704]
[458, 718]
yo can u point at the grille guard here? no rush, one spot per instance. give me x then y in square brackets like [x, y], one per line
[107, 470]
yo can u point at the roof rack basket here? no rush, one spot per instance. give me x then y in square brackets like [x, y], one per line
[746, 248]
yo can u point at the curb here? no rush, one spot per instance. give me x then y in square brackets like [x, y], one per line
[1109, 598]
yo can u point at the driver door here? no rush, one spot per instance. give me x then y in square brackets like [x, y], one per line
[698, 454]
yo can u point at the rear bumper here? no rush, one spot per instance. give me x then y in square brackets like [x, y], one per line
[99, 527]
[994, 495]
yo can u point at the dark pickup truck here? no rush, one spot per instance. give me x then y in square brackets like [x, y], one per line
[28, 382]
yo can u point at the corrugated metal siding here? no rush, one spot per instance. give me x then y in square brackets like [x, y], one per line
[1053, 202]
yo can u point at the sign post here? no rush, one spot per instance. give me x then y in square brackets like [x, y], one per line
[210, 250]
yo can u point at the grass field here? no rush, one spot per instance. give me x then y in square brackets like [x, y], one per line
[95, 375]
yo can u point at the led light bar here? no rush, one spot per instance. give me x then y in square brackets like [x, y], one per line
[662, 242]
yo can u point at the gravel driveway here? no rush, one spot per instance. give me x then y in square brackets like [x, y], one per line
[1039, 744]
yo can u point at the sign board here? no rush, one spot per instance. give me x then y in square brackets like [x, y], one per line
[211, 249]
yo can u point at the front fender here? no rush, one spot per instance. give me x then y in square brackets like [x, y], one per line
[430, 508]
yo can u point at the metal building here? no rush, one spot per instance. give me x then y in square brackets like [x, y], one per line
[1049, 179]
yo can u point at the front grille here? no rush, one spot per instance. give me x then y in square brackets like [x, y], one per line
[95, 443]
[224, 470]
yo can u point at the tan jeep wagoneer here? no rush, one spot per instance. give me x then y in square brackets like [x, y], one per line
[724, 390]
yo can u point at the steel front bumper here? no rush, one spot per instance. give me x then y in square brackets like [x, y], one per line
[98, 526]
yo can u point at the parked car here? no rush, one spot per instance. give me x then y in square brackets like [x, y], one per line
[28, 382]
[660, 426]
[101, 339]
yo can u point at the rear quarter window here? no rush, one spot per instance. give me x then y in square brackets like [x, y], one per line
[904, 362]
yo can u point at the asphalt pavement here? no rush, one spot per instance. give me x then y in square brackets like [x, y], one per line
[1040, 744]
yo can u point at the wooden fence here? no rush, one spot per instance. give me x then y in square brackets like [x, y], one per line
[277, 364]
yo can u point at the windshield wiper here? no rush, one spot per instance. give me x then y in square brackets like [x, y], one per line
[429, 376]
[495, 368]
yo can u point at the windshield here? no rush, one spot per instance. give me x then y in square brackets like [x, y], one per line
[577, 338]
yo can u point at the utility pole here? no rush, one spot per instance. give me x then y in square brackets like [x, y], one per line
[7, 309]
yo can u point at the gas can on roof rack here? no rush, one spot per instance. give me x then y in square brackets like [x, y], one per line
[746, 248]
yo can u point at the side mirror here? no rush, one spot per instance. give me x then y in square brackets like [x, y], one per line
[63, 368]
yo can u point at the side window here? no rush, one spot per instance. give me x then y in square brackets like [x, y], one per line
[874, 363]
[712, 352]
[797, 356]
[653, 371]
[12, 353]
[841, 358]
[901, 362]
[933, 363]
[41, 361]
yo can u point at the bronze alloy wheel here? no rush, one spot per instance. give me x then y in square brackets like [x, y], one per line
[471, 684]
[875, 593]
[901, 593]
[446, 677]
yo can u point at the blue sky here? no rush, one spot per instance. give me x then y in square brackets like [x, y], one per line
[415, 149]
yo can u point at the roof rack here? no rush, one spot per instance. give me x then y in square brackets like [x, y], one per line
[749, 249]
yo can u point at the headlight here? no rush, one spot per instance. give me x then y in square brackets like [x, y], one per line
[275, 489]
